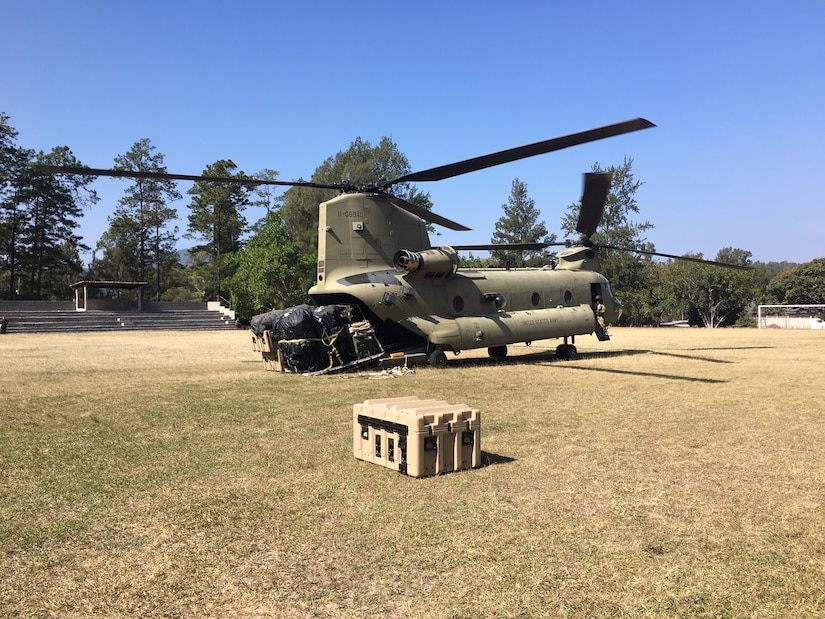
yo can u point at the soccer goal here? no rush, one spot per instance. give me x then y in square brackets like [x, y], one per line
[791, 317]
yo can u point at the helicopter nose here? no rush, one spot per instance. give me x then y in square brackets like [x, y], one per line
[618, 306]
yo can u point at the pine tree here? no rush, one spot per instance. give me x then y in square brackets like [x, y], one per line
[520, 224]
[143, 213]
[13, 161]
[51, 206]
[215, 218]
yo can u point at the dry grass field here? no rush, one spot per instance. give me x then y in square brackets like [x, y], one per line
[667, 473]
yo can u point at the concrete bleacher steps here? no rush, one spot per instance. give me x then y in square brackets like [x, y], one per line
[65, 321]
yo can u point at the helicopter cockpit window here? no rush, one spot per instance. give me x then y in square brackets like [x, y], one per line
[458, 303]
[535, 299]
[568, 297]
[609, 290]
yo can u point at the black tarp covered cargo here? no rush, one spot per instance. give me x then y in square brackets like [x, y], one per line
[313, 339]
[298, 323]
[265, 322]
[302, 356]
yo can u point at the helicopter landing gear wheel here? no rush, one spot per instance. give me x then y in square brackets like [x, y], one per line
[566, 352]
[497, 352]
[438, 359]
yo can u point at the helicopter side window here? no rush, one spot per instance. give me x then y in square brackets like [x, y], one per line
[535, 299]
[458, 303]
[568, 297]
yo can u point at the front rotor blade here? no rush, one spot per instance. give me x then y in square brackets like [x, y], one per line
[522, 152]
[596, 188]
[726, 265]
[425, 214]
[53, 169]
[507, 246]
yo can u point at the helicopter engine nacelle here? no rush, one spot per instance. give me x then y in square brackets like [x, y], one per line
[439, 262]
[578, 259]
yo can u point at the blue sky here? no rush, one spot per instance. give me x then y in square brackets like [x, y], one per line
[736, 89]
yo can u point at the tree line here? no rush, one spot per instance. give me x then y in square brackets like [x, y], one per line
[271, 263]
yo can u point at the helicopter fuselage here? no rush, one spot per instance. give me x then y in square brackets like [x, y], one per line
[376, 255]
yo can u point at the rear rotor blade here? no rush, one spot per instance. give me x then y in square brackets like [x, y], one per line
[521, 152]
[52, 169]
[425, 214]
[596, 188]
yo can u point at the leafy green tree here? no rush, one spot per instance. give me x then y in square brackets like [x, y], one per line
[143, 213]
[183, 284]
[270, 272]
[119, 249]
[300, 214]
[474, 262]
[199, 272]
[627, 272]
[716, 295]
[804, 284]
[362, 163]
[215, 218]
[657, 304]
[64, 271]
[520, 224]
[766, 271]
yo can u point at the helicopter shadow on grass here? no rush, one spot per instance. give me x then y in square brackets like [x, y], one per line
[545, 357]
[540, 356]
[623, 353]
[689, 357]
[691, 379]
[734, 348]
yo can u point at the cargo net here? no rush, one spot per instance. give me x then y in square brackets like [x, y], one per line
[309, 339]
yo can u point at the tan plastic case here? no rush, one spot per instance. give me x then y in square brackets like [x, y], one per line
[417, 437]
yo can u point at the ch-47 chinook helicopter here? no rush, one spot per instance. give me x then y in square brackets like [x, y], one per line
[374, 254]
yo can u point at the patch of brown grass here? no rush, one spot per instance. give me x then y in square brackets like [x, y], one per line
[665, 473]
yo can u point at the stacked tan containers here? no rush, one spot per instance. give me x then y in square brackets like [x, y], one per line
[267, 345]
[417, 437]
